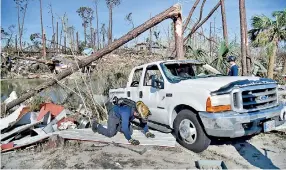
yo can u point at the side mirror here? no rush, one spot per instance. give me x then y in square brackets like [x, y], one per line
[156, 83]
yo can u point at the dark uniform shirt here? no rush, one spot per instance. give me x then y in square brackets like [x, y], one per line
[233, 70]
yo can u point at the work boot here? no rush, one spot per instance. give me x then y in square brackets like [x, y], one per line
[94, 125]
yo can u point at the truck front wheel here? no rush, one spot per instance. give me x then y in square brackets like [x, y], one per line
[189, 132]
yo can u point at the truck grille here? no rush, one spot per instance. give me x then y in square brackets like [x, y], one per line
[255, 98]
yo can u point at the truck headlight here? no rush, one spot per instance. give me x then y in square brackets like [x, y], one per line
[218, 103]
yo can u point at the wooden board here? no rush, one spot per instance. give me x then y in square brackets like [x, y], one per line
[161, 139]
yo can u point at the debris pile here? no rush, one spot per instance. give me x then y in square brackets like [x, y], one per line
[24, 127]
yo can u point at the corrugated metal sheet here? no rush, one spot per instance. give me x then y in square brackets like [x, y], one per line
[161, 139]
[17, 130]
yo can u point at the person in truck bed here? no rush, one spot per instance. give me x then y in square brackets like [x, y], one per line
[120, 116]
[233, 71]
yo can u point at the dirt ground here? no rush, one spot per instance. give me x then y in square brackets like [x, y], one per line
[264, 151]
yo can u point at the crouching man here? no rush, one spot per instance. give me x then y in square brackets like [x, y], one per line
[120, 116]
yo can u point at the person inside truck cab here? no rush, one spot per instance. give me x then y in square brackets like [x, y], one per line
[233, 70]
[120, 116]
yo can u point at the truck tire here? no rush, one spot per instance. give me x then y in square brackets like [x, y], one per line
[189, 132]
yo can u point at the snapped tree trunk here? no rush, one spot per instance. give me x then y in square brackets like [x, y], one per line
[243, 36]
[224, 25]
[43, 36]
[172, 12]
[178, 24]
[271, 61]
[110, 25]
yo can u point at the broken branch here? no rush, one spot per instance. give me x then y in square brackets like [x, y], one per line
[190, 15]
[204, 20]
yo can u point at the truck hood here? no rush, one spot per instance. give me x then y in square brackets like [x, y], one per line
[214, 83]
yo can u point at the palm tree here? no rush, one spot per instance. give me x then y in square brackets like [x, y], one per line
[269, 33]
[110, 4]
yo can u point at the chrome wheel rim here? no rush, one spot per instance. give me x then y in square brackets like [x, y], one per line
[188, 131]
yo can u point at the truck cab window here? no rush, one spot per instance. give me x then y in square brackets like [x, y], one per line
[136, 77]
[152, 71]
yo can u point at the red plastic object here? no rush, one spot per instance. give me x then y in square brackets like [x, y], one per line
[49, 107]
[7, 146]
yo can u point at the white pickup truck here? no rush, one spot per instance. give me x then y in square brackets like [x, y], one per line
[197, 102]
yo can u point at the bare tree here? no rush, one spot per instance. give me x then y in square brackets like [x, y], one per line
[43, 36]
[111, 4]
[242, 16]
[53, 26]
[223, 18]
[103, 33]
[85, 14]
[21, 10]
[97, 29]
[90, 25]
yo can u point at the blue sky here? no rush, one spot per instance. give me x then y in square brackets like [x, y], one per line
[141, 10]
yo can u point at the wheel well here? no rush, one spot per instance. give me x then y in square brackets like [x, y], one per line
[178, 108]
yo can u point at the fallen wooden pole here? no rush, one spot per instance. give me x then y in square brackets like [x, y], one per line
[173, 12]
[34, 59]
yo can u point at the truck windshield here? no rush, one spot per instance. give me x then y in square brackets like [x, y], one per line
[183, 71]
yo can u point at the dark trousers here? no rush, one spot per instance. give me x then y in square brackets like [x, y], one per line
[113, 126]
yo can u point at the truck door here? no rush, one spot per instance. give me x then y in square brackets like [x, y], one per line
[154, 98]
[133, 86]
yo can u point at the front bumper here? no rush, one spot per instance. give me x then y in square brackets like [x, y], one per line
[232, 124]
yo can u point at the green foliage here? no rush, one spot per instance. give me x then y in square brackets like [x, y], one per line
[36, 102]
[112, 3]
[266, 30]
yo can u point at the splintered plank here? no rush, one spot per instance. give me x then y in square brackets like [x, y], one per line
[161, 139]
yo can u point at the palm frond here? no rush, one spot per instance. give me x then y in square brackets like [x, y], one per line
[261, 22]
